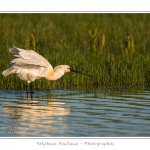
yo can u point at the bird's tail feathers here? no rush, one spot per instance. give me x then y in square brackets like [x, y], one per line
[8, 71]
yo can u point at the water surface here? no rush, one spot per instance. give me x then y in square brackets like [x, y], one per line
[105, 112]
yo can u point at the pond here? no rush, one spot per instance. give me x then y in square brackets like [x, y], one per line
[100, 112]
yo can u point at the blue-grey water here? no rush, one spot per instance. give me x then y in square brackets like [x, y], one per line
[105, 112]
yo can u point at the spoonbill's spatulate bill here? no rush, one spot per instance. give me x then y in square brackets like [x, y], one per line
[29, 66]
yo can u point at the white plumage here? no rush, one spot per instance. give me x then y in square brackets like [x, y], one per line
[29, 65]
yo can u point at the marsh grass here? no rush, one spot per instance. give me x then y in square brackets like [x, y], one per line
[113, 48]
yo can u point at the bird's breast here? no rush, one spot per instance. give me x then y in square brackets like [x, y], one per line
[49, 74]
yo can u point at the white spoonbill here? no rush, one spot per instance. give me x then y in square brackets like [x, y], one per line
[29, 66]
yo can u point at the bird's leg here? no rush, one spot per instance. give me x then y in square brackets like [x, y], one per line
[32, 88]
[27, 89]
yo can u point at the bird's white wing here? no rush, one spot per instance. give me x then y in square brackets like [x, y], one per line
[28, 57]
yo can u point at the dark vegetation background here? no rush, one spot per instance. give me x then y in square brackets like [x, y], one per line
[113, 48]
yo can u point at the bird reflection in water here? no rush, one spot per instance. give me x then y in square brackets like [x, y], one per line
[44, 115]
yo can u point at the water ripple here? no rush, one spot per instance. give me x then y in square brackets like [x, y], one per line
[75, 113]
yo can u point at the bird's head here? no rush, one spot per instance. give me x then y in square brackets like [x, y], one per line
[65, 68]
[62, 68]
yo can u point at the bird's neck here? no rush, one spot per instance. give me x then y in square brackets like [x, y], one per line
[55, 75]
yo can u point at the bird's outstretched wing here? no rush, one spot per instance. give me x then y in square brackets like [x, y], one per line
[27, 57]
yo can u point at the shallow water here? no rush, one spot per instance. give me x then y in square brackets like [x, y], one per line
[109, 112]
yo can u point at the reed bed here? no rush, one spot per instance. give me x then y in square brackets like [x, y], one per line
[113, 48]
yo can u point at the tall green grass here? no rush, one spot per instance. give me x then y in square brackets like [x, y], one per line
[113, 48]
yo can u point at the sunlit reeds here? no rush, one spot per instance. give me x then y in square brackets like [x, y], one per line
[108, 46]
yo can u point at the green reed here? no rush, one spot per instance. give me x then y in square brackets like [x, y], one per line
[113, 48]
